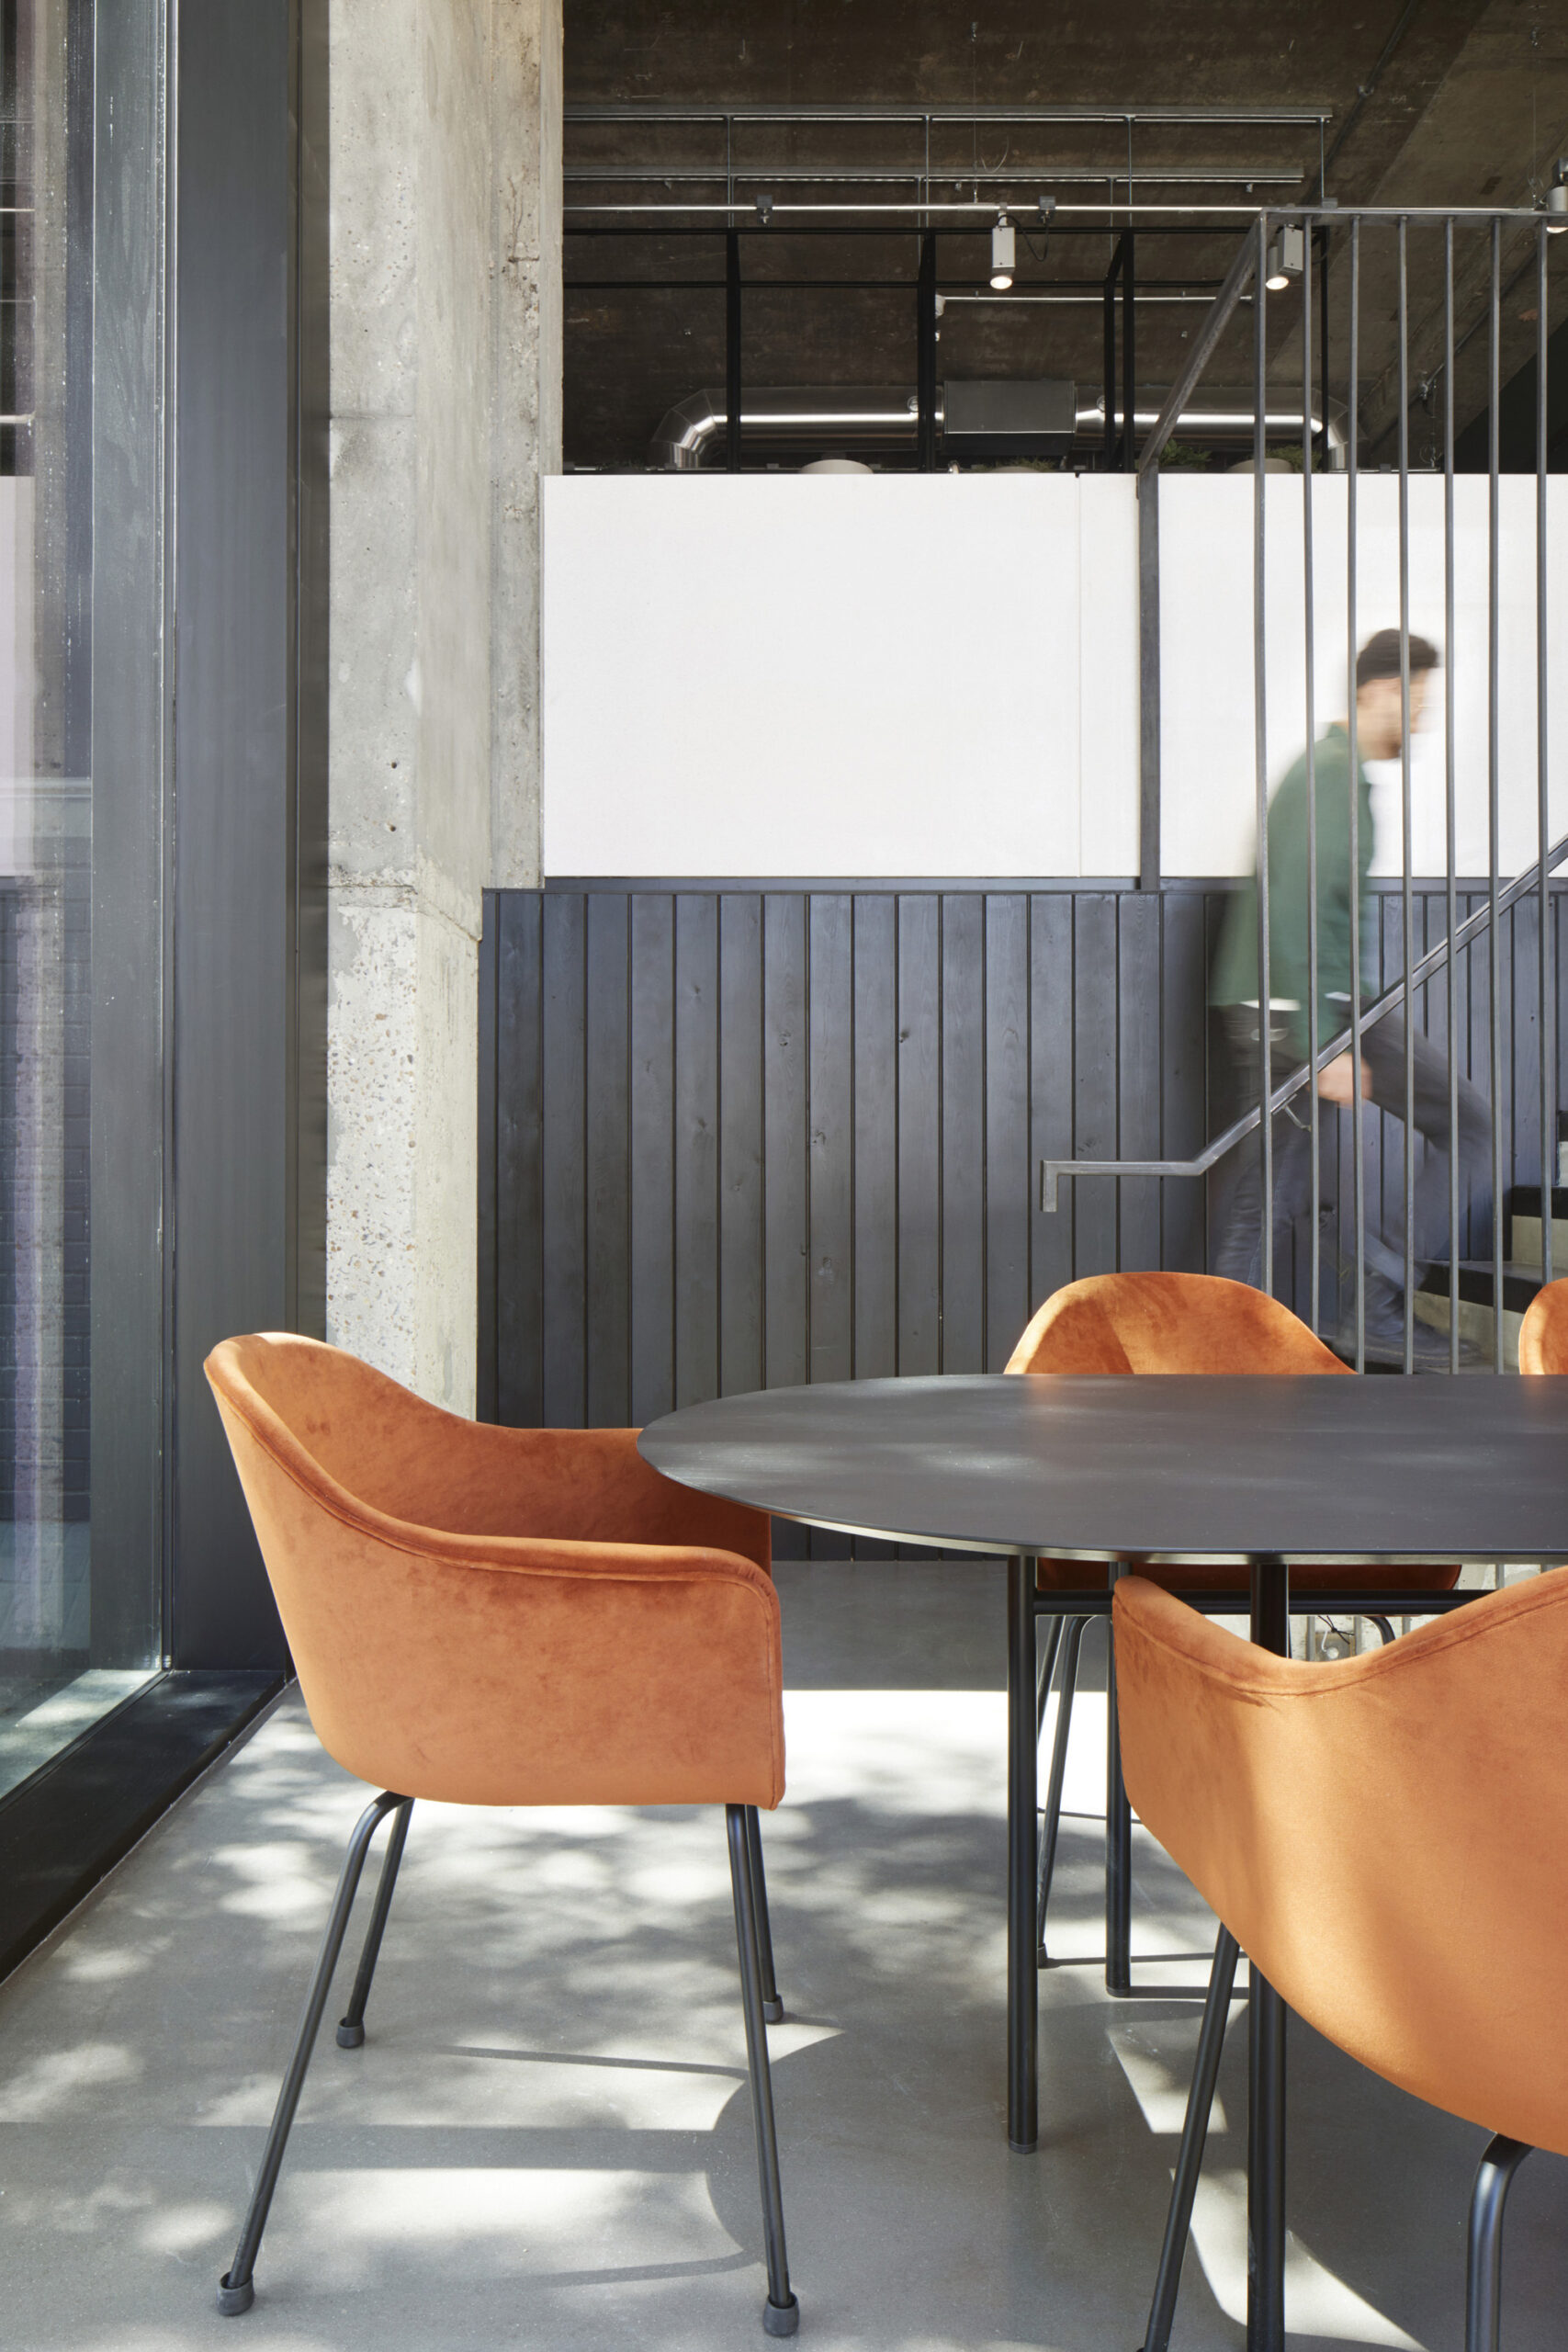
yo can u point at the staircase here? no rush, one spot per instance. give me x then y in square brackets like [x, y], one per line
[1522, 1272]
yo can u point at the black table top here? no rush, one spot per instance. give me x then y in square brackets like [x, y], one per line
[1374, 1468]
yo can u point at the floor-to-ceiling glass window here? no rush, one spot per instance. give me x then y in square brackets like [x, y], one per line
[60, 1671]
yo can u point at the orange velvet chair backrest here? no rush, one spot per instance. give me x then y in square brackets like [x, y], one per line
[1384, 1837]
[1158, 1322]
[490, 1616]
[1543, 1334]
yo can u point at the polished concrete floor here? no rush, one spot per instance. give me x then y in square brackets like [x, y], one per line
[546, 2138]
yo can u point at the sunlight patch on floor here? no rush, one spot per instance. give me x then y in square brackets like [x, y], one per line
[1317, 2303]
[1157, 2083]
[502, 2221]
[914, 1752]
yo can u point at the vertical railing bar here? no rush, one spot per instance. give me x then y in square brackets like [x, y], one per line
[1449, 771]
[1358, 1120]
[925, 354]
[1110, 362]
[1265, 999]
[732, 386]
[1323, 344]
[1493, 715]
[1309, 647]
[1129, 363]
[1408, 902]
[1548, 998]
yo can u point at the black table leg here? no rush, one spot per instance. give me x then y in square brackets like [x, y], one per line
[1118, 1833]
[1023, 1982]
[1266, 2056]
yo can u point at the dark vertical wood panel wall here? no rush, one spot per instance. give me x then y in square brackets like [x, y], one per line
[743, 1138]
[916, 1206]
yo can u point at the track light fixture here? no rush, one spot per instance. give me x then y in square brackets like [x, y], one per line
[1003, 252]
[1556, 205]
[1286, 250]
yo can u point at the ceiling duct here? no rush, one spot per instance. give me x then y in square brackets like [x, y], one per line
[815, 421]
[990, 421]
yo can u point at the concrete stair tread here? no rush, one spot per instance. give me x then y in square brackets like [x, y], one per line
[1476, 1275]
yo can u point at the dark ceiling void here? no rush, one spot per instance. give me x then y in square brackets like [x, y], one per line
[1520, 420]
[861, 103]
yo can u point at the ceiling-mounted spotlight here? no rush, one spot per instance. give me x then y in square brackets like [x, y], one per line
[1556, 205]
[1287, 252]
[1003, 244]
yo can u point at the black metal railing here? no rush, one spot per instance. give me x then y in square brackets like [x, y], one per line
[1352, 232]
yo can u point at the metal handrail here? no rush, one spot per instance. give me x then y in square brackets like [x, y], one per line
[1053, 1170]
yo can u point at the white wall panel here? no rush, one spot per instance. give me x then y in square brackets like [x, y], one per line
[938, 676]
[860, 676]
[1108, 675]
[1206, 667]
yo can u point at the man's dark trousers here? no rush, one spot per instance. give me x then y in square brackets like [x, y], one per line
[1240, 1251]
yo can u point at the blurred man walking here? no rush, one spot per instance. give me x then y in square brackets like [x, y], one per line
[1233, 997]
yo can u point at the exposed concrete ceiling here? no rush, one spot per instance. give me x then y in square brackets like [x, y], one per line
[1425, 102]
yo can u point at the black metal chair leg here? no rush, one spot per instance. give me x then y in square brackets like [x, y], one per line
[780, 2312]
[1483, 2274]
[235, 2292]
[1051, 1824]
[772, 2007]
[350, 2026]
[1194, 2133]
[1266, 2039]
[1118, 1839]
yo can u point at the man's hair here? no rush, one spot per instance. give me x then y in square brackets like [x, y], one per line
[1379, 658]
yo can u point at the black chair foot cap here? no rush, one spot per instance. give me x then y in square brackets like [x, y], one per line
[780, 2318]
[232, 2301]
[349, 2037]
[1023, 2147]
[773, 2012]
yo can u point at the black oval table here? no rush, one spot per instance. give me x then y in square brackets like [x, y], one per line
[1276, 1472]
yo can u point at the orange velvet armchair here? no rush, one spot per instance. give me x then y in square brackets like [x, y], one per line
[1423, 1927]
[506, 1617]
[1167, 1323]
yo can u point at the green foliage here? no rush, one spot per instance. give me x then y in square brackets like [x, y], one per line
[1180, 456]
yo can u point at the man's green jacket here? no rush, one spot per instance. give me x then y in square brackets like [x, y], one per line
[1234, 980]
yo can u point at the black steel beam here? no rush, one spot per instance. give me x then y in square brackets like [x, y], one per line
[732, 353]
[925, 354]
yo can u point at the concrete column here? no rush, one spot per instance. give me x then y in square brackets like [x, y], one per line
[525, 121]
[445, 360]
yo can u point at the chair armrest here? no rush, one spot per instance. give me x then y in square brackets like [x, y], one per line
[322, 1410]
[585, 1486]
[433, 1469]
